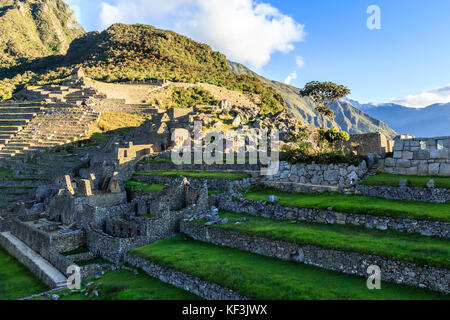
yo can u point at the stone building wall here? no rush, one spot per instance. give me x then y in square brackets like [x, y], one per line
[109, 247]
[367, 143]
[341, 175]
[42, 242]
[130, 152]
[419, 156]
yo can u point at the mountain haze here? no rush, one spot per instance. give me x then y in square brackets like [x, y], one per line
[432, 121]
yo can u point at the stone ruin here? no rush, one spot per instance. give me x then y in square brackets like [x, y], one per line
[99, 213]
[367, 143]
[419, 156]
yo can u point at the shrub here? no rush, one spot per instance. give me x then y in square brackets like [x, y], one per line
[333, 135]
[189, 97]
[298, 156]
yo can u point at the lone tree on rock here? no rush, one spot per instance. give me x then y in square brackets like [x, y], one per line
[324, 94]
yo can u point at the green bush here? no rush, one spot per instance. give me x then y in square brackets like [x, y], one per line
[333, 135]
[189, 97]
[298, 156]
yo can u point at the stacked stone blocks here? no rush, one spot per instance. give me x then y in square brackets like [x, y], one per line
[419, 156]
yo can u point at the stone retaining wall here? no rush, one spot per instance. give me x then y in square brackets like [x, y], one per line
[341, 175]
[279, 212]
[59, 261]
[406, 193]
[353, 263]
[213, 184]
[36, 263]
[169, 166]
[109, 247]
[195, 285]
[62, 263]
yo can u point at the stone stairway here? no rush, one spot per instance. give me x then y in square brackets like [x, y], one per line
[33, 261]
[72, 94]
[59, 125]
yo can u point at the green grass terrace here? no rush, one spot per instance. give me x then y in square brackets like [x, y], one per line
[395, 245]
[16, 281]
[5, 172]
[144, 186]
[357, 204]
[152, 187]
[259, 277]
[125, 285]
[197, 174]
[386, 179]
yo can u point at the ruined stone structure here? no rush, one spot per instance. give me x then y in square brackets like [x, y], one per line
[419, 156]
[89, 206]
[302, 177]
[367, 143]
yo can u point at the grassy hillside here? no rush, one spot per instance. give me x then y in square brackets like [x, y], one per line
[348, 118]
[140, 52]
[35, 28]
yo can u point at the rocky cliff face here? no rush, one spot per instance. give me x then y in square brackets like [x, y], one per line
[348, 118]
[35, 28]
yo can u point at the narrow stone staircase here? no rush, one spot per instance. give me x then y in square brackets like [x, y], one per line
[33, 261]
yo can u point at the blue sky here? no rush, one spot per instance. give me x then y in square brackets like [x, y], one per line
[407, 59]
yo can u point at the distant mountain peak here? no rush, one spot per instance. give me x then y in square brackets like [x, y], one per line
[431, 121]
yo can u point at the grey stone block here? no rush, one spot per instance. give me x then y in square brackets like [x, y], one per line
[422, 155]
[439, 154]
[407, 155]
[389, 162]
[444, 169]
[423, 168]
[398, 154]
[433, 168]
[402, 163]
[398, 146]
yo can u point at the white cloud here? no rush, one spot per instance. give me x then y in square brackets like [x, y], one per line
[300, 61]
[247, 31]
[290, 77]
[75, 8]
[110, 15]
[426, 98]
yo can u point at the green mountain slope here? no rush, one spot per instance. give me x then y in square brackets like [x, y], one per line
[35, 28]
[139, 52]
[348, 118]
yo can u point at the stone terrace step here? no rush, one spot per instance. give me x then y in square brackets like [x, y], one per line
[17, 116]
[9, 122]
[6, 129]
[33, 261]
[11, 196]
[24, 110]
[251, 275]
[339, 256]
